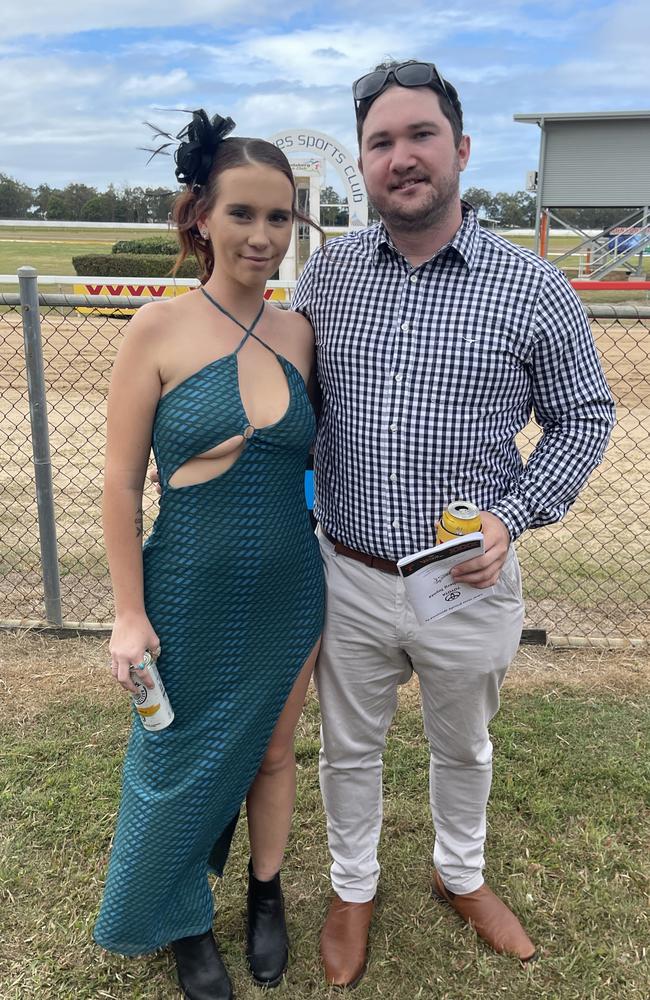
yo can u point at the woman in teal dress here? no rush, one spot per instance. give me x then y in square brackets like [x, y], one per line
[229, 584]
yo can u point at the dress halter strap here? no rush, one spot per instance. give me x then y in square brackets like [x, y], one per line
[248, 329]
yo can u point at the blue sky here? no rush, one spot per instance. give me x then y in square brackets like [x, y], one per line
[74, 92]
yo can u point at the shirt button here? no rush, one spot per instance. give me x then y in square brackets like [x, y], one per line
[398, 378]
[414, 279]
[406, 327]
[393, 477]
[396, 523]
[393, 427]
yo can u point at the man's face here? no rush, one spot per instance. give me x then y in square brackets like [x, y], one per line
[409, 161]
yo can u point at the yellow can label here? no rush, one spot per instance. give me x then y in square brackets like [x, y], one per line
[149, 710]
[460, 518]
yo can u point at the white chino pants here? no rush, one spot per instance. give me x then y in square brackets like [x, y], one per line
[371, 643]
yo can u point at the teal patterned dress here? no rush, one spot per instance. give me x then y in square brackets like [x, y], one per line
[234, 589]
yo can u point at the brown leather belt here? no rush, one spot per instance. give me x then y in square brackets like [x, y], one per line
[375, 562]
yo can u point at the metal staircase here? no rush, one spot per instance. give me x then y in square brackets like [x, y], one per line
[614, 247]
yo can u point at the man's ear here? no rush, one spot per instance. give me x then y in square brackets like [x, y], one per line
[463, 151]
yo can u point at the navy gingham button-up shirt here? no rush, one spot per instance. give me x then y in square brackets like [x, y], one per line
[428, 373]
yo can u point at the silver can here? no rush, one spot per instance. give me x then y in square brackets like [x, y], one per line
[152, 704]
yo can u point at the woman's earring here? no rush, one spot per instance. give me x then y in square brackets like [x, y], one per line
[204, 234]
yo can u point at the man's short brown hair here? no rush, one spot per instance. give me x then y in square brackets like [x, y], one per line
[449, 102]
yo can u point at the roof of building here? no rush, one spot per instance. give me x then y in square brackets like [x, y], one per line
[569, 116]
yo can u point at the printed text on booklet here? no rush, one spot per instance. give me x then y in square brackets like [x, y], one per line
[427, 578]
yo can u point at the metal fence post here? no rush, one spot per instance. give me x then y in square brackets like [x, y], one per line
[639, 273]
[28, 281]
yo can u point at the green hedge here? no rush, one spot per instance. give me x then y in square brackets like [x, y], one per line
[133, 266]
[151, 245]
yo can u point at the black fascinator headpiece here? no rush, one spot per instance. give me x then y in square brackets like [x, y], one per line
[197, 145]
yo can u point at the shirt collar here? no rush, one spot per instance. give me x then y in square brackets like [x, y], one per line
[464, 242]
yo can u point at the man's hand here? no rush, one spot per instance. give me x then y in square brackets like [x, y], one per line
[484, 571]
[155, 478]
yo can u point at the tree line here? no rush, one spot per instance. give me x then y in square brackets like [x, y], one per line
[517, 211]
[504, 210]
[81, 203]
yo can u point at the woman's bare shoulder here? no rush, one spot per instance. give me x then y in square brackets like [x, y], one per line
[159, 319]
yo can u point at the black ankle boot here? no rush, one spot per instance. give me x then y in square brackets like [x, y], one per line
[201, 973]
[267, 948]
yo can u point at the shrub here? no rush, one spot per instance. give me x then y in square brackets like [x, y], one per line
[133, 266]
[151, 245]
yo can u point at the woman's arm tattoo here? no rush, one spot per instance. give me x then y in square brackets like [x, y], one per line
[138, 523]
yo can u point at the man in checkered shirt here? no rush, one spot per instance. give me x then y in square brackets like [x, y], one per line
[436, 340]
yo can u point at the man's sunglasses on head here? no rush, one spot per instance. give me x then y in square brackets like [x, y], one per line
[407, 74]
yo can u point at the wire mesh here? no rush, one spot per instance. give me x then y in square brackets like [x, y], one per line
[78, 353]
[21, 591]
[587, 576]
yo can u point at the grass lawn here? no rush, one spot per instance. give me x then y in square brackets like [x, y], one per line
[47, 257]
[27, 234]
[51, 251]
[569, 827]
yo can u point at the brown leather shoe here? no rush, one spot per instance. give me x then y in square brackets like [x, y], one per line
[344, 941]
[490, 918]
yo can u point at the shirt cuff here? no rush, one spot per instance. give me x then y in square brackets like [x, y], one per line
[513, 513]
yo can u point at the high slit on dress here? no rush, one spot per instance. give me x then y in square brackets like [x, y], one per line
[233, 587]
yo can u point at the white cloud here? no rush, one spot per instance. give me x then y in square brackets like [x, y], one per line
[147, 88]
[482, 74]
[71, 16]
[268, 113]
[303, 57]
[617, 74]
[615, 60]
[69, 113]
[626, 25]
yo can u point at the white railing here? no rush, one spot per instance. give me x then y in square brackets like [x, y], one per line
[78, 279]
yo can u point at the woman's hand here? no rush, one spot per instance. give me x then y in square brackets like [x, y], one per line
[132, 635]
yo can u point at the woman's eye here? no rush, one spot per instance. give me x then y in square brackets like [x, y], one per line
[280, 217]
[239, 213]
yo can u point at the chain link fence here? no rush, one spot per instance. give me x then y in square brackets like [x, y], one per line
[588, 576]
[78, 352]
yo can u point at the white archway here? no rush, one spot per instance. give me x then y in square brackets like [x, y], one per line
[313, 143]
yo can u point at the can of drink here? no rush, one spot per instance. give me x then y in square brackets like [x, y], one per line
[152, 704]
[460, 518]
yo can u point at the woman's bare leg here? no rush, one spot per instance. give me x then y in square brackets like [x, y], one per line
[270, 800]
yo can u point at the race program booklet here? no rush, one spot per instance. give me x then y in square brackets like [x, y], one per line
[432, 592]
